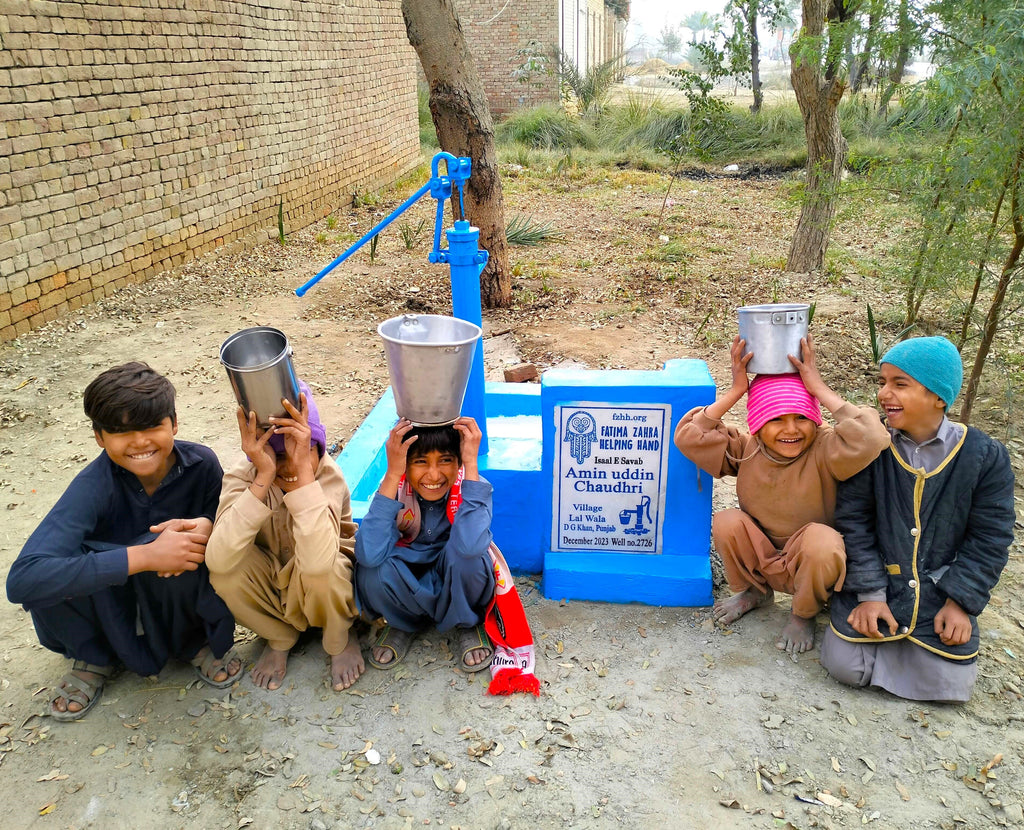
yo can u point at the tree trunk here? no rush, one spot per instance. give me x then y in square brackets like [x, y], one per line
[819, 88]
[899, 64]
[755, 58]
[462, 118]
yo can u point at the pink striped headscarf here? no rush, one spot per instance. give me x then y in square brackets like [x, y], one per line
[770, 396]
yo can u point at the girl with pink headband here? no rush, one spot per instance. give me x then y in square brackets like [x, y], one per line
[787, 466]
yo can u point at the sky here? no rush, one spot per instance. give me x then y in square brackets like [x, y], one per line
[651, 16]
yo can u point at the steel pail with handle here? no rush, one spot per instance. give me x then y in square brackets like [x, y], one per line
[429, 358]
[773, 332]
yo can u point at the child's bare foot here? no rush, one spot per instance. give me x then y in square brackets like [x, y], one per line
[798, 635]
[729, 610]
[347, 666]
[270, 669]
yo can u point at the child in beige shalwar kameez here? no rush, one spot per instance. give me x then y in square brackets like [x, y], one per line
[281, 553]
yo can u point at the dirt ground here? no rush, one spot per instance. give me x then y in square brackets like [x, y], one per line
[646, 715]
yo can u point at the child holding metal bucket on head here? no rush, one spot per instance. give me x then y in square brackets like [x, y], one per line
[281, 549]
[425, 557]
[787, 468]
[418, 567]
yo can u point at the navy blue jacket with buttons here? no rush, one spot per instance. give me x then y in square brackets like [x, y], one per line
[82, 545]
[923, 537]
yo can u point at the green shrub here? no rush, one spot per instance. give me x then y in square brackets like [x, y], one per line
[545, 128]
[522, 230]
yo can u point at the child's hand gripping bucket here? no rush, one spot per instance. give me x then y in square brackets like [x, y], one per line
[429, 358]
[259, 365]
[773, 332]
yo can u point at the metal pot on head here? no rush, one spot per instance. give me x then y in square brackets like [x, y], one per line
[773, 332]
[259, 365]
[429, 359]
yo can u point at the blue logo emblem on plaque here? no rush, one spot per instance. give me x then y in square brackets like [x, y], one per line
[580, 433]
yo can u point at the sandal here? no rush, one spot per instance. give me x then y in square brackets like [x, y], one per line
[206, 666]
[86, 693]
[394, 639]
[471, 639]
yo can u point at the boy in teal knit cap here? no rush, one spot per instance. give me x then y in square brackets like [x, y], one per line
[927, 528]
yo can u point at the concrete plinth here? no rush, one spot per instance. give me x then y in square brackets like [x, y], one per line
[629, 519]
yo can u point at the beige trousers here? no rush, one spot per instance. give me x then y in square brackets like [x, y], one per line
[809, 566]
[278, 602]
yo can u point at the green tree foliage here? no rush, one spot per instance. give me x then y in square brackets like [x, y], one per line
[969, 194]
[669, 43]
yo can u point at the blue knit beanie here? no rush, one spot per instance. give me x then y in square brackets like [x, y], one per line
[933, 362]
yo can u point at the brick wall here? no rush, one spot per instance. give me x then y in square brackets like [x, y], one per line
[136, 135]
[494, 42]
[496, 31]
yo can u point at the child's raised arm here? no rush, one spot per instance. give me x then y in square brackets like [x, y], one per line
[813, 381]
[738, 363]
[397, 450]
[470, 437]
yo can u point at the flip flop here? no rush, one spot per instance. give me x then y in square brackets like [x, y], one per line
[86, 693]
[471, 639]
[394, 639]
[204, 667]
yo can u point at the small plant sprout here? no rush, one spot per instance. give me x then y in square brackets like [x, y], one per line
[373, 247]
[878, 348]
[410, 235]
[280, 222]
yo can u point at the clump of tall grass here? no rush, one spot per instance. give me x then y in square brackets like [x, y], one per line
[523, 230]
[428, 134]
[546, 128]
[643, 128]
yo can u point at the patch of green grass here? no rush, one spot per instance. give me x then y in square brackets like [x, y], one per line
[428, 134]
[545, 127]
[763, 261]
[637, 133]
[672, 251]
[411, 235]
[522, 230]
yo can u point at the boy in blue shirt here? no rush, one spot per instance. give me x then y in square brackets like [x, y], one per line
[927, 527]
[114, 574]
[422, 549]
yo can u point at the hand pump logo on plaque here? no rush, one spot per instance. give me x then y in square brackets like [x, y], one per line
[610, 469]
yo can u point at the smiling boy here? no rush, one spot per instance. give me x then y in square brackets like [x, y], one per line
[927, 527]
[115, 574]
[418, 566]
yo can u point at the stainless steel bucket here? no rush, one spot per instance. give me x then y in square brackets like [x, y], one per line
[429, 358]
[259, 365]
[772, 333]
